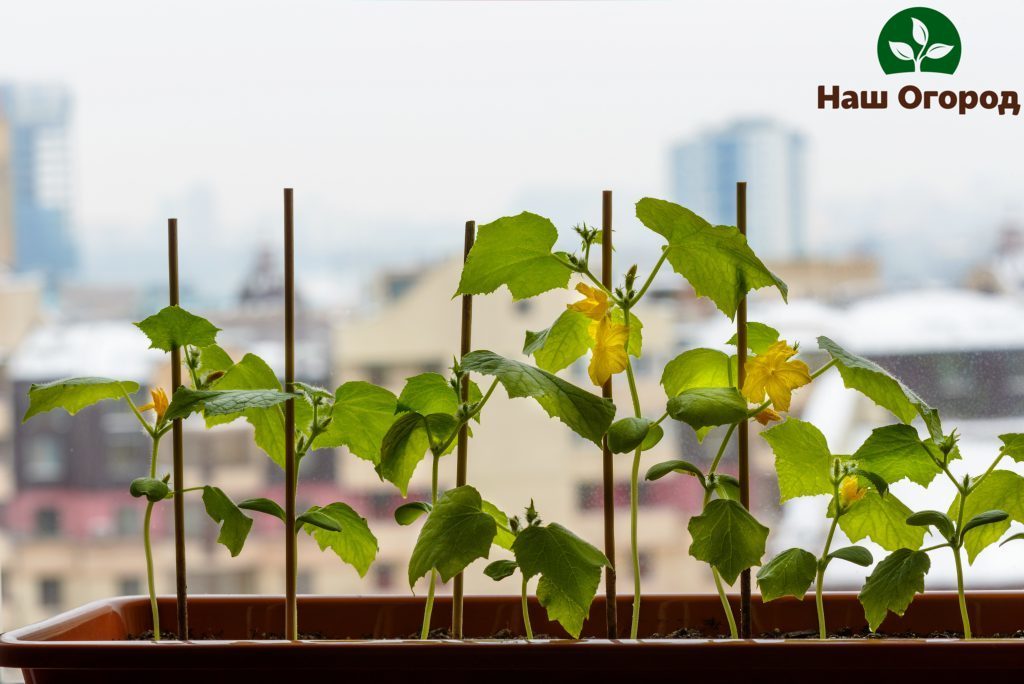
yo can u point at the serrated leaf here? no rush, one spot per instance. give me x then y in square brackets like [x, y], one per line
[708, 406]
[716, 260]
[74, 394]
[514, 251]
[920, 31]
[788, 574]
[354, 544]
[153, 489]
[262, 505]
[315, 517]
[457, 532]
[212, 359]
[500, 569]
[802, 459]
[569, 569]
[586, 414]
[896, 452]
[982, 519]
[504, 537]
[407, 514]
[174, 327]
[938, 51]
[1013, 446]
[187, 401]
[362, 414]
[891, 586]
[660, 470]
[408, 441]
[559, 346]
[759, 337]
[857, 555]
[428, 393]
[1001, 490]
[902, 50]
[627, 434]
[234, 525]
[940, 521]
[884, 520]
[727, 537]
[876, 383]
[697, 368]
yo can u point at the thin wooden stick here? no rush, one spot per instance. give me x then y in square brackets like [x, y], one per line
[465, 347]
[744, 436]
[181, 585]
[290, 476]
[608, 474]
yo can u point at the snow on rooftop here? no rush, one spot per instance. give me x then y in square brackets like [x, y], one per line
[114, 349]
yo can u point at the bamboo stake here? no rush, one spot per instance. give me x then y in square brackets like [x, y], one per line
[465, 346]
[181, 584]
[290, 476]
[608, 474]
[744, 436]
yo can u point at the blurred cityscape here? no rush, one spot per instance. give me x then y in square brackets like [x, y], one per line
[70, 532]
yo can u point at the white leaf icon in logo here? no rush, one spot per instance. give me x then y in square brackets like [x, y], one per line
[920, 32]
[902, 51]
[938, 51]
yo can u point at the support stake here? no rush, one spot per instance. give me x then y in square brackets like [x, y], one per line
[465, 346]
[181, 585]
[744, 435]
[608, 474]
[290, 476]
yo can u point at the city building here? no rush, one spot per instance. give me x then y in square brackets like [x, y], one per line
[37, 120]
[772, 159]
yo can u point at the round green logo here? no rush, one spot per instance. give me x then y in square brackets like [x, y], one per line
[919, 39]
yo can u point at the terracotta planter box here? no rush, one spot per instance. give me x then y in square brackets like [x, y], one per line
[367, 637]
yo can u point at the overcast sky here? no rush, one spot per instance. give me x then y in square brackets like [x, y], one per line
[397, 121]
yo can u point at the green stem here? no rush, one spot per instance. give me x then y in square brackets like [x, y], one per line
[634, 498]
[650, 278]
[733, 632]
[958, 542]
[820, 578]
[149, 570]
[429, 608]
[526, 613]
[131, 404]
[455, 433]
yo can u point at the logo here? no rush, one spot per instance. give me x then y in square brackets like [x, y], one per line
[919, 39]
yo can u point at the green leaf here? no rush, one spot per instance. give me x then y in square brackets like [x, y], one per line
[875, 480]
[569, 569]
[362, 414]
[212, 359]
[716, 260]
[788, 574]
[457, 532]
[940, 521]
[234, 525]
[1013, 446]
[1001, 490]
[697, 368]
[354, 543]
[407, 514]
[317, 518]
[896, 452]
[1013, 537]
[514, 251]
[891, 586]
[428, 393]
[500, 569]
[727, 537]
[261, 505]
[759, 337]
[504, 537]
[802, 459]
[312, 393]
[586, 414]
[174, 327]
[857, 555]
[708, 407]
[74, 394]
[654, 435]
[408, 441]
[876, 383]
[884, 520]
[560, 345]
[627, 434]
[727, 487]
[986, 518]
[660, 470]
[154, 490]
[187, 401]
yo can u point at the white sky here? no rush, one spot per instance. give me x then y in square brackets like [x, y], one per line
[396, 121]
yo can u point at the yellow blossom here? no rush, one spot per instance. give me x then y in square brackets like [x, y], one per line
[159, 403]
[609, 355]
[775, 374]
[767, 416]
[850, 491]
[595, 304]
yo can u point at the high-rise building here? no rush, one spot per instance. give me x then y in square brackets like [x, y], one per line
[771, 158]
[6, 208]
[37, 119]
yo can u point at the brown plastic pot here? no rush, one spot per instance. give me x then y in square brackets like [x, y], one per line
[367, 636]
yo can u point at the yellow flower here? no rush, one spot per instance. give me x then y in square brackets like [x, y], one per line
[609, 355]
[767, 416]
[159, 403]
[850, 491]
[775, 374]
[595, 305]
